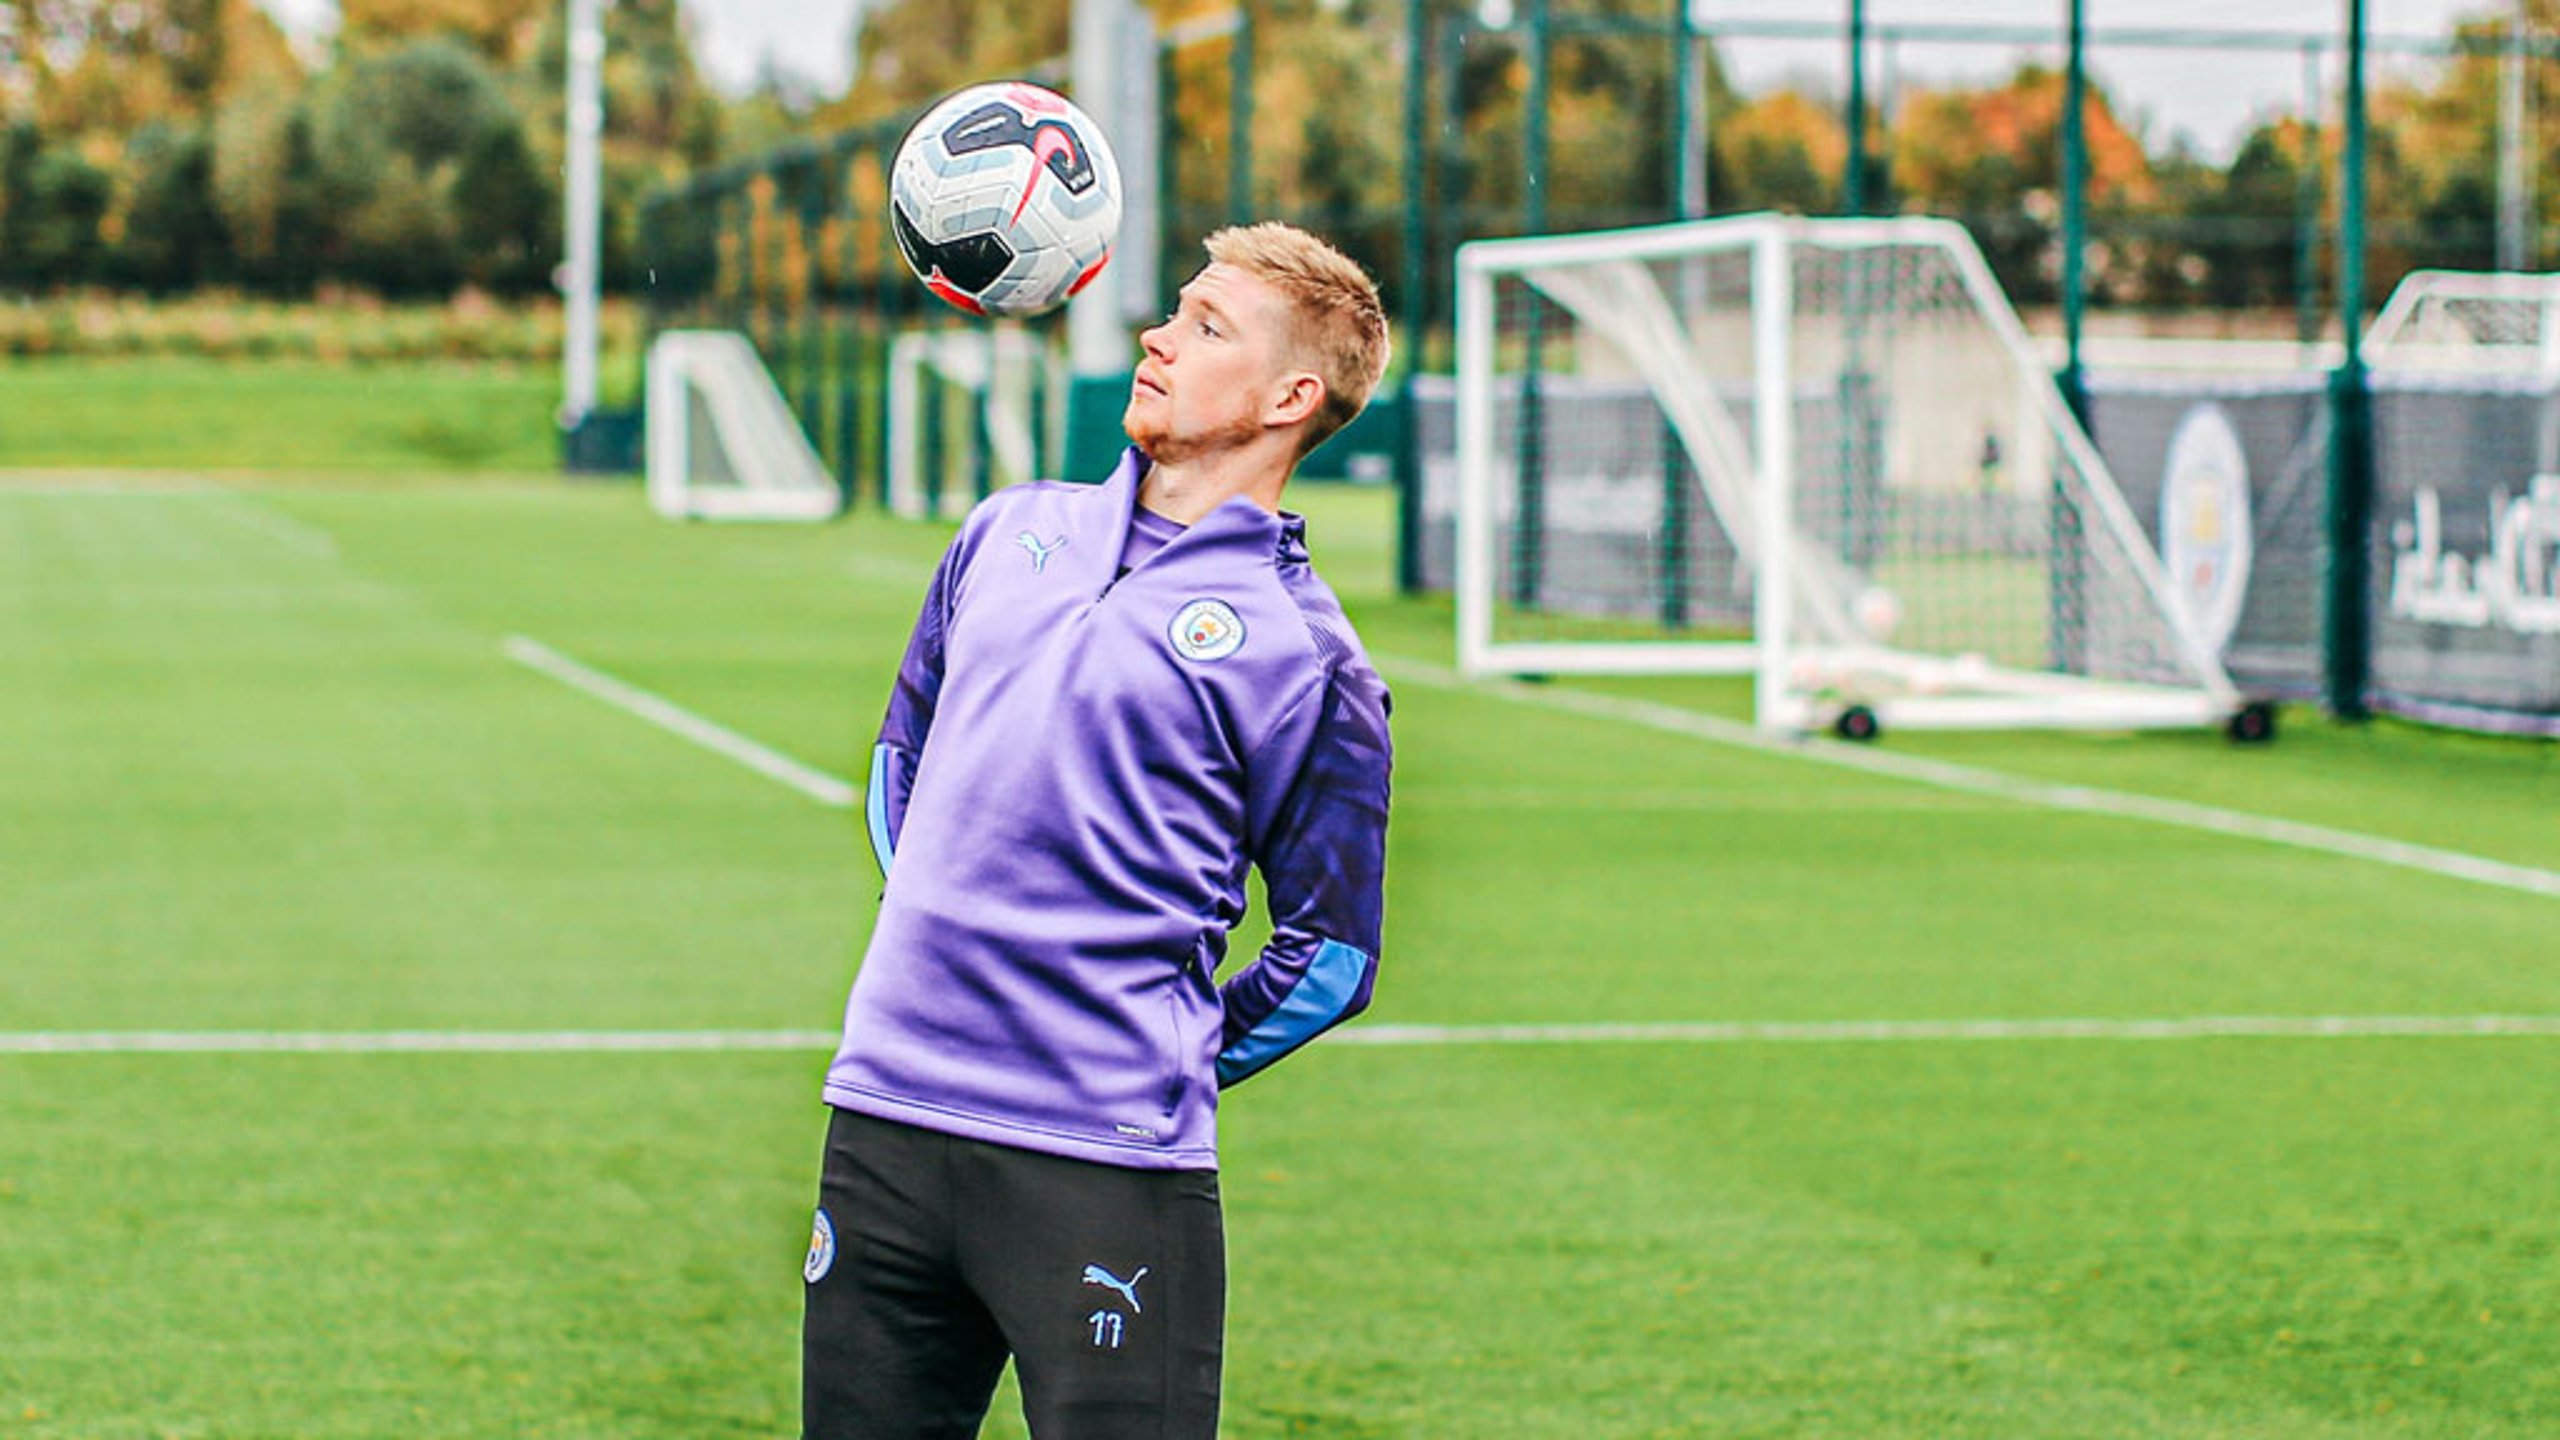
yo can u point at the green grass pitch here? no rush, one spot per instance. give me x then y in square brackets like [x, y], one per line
[264, 766]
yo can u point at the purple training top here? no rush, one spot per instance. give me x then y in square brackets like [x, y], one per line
[1074, 776]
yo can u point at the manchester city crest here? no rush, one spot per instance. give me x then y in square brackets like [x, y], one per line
[1207, 630]
[822, 1250]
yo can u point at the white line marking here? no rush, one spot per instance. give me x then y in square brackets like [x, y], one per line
[403, 1042]
[77, 490]
[1946, 775]
[1841, 1032]
[818, 785]
[1745, 1032]
[285, 530]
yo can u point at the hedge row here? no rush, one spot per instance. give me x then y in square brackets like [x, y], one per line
[336, 328]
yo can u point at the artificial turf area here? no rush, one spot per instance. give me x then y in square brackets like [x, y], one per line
[267, 768]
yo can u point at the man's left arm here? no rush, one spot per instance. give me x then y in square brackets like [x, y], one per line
[1319, 836]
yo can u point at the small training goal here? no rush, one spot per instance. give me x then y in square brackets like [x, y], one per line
[722, 442]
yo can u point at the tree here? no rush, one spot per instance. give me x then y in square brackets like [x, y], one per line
[397, 132]
[173, 232]
[508, 209]
[1993, 158]
[50, 232]
[404, 241]
[501, 32]
[1783, 152]
[427, 99]
[2247, 239]
[269, 190]
[109, 67]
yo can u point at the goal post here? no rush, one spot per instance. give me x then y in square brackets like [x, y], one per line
[1822, 453]
[722, 443]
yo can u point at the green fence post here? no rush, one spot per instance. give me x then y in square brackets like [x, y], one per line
[1168, 181]
[1240, 119]
[813, 329]
[929, 438]
[2348, 628]
[1416, 284]
[1533, 126]
[1853, 182]
[2306, 213]
[897, 298]
[848, 334]
[1671, 547]
[981, 442]
[2075, 208]
[1529, 522]
[738, 210]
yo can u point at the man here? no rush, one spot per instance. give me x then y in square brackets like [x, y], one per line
[1118, 698]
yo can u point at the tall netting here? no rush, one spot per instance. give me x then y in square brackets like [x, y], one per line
[1650, 424]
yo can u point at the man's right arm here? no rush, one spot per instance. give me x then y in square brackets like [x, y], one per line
[911, 706]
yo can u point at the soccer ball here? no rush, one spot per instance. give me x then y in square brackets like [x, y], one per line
[1877, 613]
[1005, 199]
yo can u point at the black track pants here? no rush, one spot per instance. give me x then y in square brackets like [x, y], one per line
[934, 1258]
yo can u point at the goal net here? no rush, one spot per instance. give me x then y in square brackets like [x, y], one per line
[722, 442]
[2468, 321]
[1821, 453]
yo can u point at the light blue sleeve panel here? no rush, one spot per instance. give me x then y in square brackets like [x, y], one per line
[1334, 984]
[889, 775]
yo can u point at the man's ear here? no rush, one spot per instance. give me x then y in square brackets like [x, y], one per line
[1300, 395]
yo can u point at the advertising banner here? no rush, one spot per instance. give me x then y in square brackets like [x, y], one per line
[2466, 551]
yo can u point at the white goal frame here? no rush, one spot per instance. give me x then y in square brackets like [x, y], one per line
[1790, 636]
[2419, 327]
[779, 474]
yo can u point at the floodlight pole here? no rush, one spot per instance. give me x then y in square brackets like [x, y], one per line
[579, 281]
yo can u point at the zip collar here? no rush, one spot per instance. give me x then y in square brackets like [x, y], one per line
[1236, 523]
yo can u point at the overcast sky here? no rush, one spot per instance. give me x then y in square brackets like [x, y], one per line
[2208, 96]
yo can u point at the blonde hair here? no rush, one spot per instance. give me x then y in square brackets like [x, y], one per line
[1336, 325]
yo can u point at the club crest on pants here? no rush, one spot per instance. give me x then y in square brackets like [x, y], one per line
[822, 1249]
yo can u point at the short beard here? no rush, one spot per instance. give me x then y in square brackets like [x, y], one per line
[1157, 440]
[1146, 434]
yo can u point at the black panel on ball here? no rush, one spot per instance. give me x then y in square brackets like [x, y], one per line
[971, 262]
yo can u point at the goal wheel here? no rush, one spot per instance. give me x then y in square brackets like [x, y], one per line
[1856, 723]
[2252, 724]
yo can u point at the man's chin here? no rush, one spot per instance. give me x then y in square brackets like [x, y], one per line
[1143, 431]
